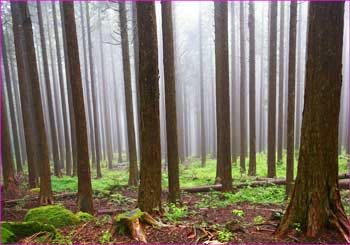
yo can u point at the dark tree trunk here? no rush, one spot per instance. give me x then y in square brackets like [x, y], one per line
[133, 169]
[280, 87]
[201, 90]
[252, 145]
[271, 145]
[291, 97]
[150, 189]
[242, 91]
[94, 96]
[87, 85]
[63, 96]
[83, 165]
[11, 187]
[26, 61]
[12, 105]
[170, 102]
[52, 124]
[315, 201]
[70, 100]
[222, 94]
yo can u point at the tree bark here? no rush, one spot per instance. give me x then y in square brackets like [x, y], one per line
[222, 94]
[149, 196]
[83, 164]
[94, 96]
[291, 97]
[133, 169]
[170, 102]
[26, 60]
[281, 86]
[242, 91]
[52, 124]
[315, 201]
[271, 146]
[63, 94]
[14, 126]
[252, 133]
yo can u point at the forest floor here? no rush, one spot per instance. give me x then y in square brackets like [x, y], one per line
[252, 212]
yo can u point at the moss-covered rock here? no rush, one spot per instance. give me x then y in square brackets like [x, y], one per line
[54, 215]
[7, 236]
[85, 217]
[13, 231]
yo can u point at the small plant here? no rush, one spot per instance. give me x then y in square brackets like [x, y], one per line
[258, 220]
[174, 213]
[238, 212]
[106, 237]
[118, 199]
[297, 227]
[105, 219]
[225, 236]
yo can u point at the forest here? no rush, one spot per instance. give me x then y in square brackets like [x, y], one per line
[162, 122]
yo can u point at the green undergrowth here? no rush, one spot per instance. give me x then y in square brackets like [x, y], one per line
[191, 174]
[259, 195]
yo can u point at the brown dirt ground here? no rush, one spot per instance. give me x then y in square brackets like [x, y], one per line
[186, 230]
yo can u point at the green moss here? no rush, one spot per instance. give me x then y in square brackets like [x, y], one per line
[23, 229]
[130, 215]
[57, 216]
[7, 236]
[85, 217]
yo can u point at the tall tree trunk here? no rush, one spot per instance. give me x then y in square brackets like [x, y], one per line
[298, 86]
[12, 105]
[105, 98]
[70, 100]
[291, 97]
[87, 85]
[94, 95]
[133, 169]
[11, 187]
[280, 87]
[150, 189]
[271, 146]
[83, 165]
[54, 138]
[63, 94]
[252, 145]
[170, 102]
[26, 61]
[242, 90]
[201, 90]
[315, 201]
[222, 94]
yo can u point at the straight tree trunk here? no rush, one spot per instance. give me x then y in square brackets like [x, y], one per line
[315, 203]
[291, 97]
[252, 144]
[150, 189]
[26, 61]
[70, 100]
[201, 90]
[280, 87]
[170, 102]
[242, 91]
[11, 187]
[63, 96]
[298, 86]
[87, 85]
[12, 105]
[105, 98]
[271, 146]
[222, 94]
[133, 169]
[83, 165]
[54, 138]
[94, 95]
